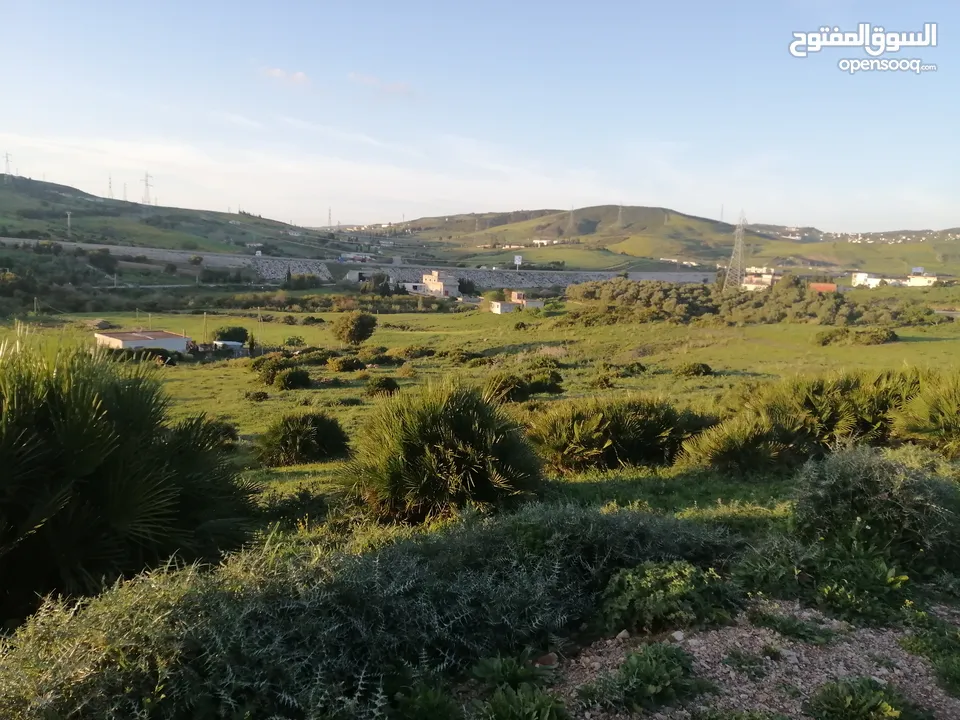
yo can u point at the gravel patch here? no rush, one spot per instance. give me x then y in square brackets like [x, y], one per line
[774, 673]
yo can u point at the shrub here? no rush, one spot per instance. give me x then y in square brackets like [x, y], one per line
[98, 482]
[444, 448]
[605, 433]
[652, 677]
[736, 715]
[693, 369]
[232, 333]
[382, 386]
[863, 495]
[312, 320]
[347, 363]
[354, 327]
[273, 367]
[851, 336]
[292, 379]
[505, 387]
[861, 699]
[194, 642]
[304, 437]
[458, 356]
[413, 352]
[227, 433]
[939, 642]
[523, 703]
[931, 417]
[316, 357]
[483, 362]
[512, 671]
[427, 701]
[547, 381]
[257, 363]
[657, 596]
[294, 341]
[256, 395]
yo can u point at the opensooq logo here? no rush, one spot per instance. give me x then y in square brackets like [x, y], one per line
[875, 41]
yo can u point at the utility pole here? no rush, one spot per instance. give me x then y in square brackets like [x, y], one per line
[110, 187]
[620, 217]
[329, 217]
[570, 222]
[146, 188]
[734, 279]
[68, 225]
[6, 168]
[204, 328]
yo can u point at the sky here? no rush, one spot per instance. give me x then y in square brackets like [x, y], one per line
[383, 110]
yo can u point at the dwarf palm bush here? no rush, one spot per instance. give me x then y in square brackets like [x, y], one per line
[932, 416]
[601, 433]
[303, 437]
[96, 482]
[446, 447]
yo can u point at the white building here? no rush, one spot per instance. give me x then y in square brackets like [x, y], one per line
[143, 340]
[501, 308]
[862, 279]
[764, 281]
[921, 280]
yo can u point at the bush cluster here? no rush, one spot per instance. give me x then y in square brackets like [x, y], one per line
[292, 379]
[573, 436]
[299, 438]
[98, 481]
[790, 300]
[198, 644]
[851, 336]
[442, 448]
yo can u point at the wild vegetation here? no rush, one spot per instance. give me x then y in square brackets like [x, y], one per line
[457, 508]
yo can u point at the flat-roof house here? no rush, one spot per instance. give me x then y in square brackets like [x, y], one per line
[143, 340]
[520, 298]
[501, 308]
[441, 283]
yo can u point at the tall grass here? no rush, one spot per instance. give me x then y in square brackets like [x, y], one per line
[97, 482]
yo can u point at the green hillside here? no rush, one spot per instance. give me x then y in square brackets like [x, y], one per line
[634, 238]
[38, 210]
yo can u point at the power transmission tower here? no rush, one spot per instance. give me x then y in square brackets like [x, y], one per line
[476, 225]
[110, 187]
[734, 279]
[6, 168]
[146, 188]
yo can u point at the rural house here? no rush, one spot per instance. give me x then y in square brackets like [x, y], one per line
[143, 340]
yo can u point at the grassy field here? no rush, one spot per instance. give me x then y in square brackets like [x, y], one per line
[738, 355]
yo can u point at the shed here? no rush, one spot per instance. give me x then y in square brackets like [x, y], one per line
[500, 308]
[143, 340]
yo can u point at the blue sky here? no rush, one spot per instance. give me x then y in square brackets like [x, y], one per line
[383, 109]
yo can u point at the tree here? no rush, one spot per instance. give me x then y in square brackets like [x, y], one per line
[231, 333]
[354, 327]
[195, 259]
[170, 269]
[379, 284]
[289, 277]
[251, 344]
[294, 341]
[467, 287]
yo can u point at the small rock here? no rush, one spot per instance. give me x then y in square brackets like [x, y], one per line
[623, 635]
[693, 642]
[595, 666]
[878, 680]
[678, 636]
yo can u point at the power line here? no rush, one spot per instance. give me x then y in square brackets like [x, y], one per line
[734, 279]
[146, 188]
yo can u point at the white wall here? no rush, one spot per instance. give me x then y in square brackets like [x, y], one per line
[177, 344]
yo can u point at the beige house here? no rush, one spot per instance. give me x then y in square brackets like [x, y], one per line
[520, 298]
[501, 308]
[441, 283]
[143, 340]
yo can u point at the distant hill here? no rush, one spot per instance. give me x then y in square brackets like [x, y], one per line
[36, 209]
[614, 237]
[603, 237]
